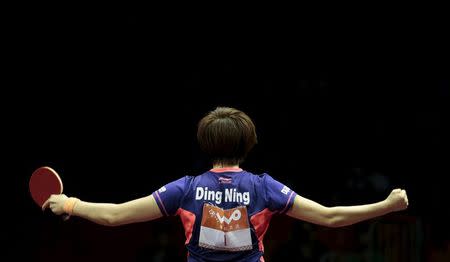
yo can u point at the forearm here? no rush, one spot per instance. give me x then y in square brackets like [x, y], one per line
[348, 215]
[138, 210]
[339, 216]
[100, 213]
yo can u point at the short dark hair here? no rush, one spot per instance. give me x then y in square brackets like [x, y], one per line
[226, 135]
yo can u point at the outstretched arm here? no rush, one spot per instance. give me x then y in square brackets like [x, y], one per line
[339, 216]
[139, 210]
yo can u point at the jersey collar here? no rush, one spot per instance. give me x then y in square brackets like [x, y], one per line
[226, 169]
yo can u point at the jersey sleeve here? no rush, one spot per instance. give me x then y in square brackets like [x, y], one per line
[279, 198]
[169, 197]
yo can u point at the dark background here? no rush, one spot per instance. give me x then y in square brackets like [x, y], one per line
[345, 110]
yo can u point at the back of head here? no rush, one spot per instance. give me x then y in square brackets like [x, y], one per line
[226, 135]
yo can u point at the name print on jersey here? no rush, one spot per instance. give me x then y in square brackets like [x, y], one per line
[231, 195]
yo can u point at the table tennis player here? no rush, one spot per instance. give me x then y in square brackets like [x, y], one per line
[226, 210]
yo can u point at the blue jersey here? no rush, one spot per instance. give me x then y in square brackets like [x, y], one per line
[225, 212]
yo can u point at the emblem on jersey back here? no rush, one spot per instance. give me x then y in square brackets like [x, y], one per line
[227, 230]
[225, 180]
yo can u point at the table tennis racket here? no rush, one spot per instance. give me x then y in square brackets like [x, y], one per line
[43, 183]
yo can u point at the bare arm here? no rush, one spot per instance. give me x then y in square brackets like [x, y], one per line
[139, 210]
[310, 211]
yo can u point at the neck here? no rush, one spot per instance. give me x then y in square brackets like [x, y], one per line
[225, 166]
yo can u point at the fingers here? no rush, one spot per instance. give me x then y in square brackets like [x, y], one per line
[400, 197]
[49, 203]
[405, 197]
[400, 191]
[396, 191]
[46, 203]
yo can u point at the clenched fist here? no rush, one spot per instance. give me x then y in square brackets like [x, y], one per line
[397, 200]
[55, 203]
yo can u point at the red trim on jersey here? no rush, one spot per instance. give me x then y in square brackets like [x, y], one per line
[188, 220]
[260, 222]
[226, 169]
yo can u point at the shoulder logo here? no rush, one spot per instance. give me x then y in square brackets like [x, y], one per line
[285, 190]
[162, 189]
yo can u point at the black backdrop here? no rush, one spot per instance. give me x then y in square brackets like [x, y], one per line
[111, 101]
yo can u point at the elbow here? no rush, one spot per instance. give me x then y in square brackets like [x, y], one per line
[110, 221]
[333, 219]
[334, 222]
